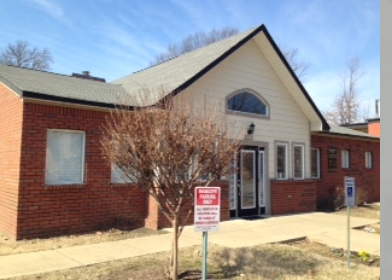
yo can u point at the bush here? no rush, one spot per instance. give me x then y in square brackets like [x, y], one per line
[335, 201]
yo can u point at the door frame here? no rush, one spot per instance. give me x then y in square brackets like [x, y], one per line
[267, 190]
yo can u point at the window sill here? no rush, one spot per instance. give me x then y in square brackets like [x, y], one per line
[68, 186]
[298, 179]
[122, 185]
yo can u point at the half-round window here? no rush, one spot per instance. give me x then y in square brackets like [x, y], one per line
[247, 102]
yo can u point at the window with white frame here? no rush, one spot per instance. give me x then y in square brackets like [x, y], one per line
[345, 158]
[315, 163]
[298, 157]
[281, 161]
[119, 177]
[65, 157]
[368, 160]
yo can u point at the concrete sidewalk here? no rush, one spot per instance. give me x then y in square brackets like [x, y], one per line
[325, 228]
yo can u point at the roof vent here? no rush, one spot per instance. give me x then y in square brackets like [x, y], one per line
[86, 75]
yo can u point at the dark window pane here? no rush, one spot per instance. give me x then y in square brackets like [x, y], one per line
[332, 159]
[247, 103]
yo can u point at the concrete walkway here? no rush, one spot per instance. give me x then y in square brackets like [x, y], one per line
[325, 228]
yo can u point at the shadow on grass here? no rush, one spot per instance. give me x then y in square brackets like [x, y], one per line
[270, 261]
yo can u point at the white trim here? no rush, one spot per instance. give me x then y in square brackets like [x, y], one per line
[83, 133]
[302, 146]
[262, 176]
[254, 180]
[233, 185]
[345, 158]
[286, 167]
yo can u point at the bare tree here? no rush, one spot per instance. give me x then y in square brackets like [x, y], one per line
[201, 39]
[300, 67]
[21, 54]
[346, 107]
[168, 149]
[193, 42]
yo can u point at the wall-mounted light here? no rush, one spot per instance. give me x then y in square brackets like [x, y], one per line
[251, 129]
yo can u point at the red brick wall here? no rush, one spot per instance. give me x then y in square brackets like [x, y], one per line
[157, 220]
[11, 113]
[292, 196]
[374, 129]
[367, 180]
[47, 210]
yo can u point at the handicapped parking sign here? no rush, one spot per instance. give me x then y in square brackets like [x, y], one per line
[350, 191]
[349, 183]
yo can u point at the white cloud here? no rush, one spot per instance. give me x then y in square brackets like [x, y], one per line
[53, 10]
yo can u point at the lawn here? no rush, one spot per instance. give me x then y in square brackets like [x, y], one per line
[272, 261]
[8, 247]
[371, 211]
[297, 260]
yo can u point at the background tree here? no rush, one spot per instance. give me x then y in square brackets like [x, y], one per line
[168, 149]
[300, 67]
[193, 42]
[201, 39]
[346, 107]
[21, 54]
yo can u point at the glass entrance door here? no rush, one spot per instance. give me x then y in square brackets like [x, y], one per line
[250, 182]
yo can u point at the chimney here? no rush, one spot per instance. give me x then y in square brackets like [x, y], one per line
[377, 108]
[86, 75]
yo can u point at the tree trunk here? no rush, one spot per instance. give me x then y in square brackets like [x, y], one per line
[174, 253]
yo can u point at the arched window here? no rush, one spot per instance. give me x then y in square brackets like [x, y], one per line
[245, 101]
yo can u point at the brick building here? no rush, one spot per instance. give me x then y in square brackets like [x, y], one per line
[54, 180]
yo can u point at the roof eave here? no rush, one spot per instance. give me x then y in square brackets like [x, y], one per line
[46, 97]
[325, 125]
[344, 135]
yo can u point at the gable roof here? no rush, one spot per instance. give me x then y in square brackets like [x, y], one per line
[56, 87]
[177, 74]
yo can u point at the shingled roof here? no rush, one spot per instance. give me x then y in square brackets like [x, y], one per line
[175, 75]
[56, 87]
[348, 132]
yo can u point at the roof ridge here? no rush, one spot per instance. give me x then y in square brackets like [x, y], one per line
[190, 52]
[36, 70]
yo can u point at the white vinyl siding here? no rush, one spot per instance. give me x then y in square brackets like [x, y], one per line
[298, 157]
[65, 157]
[345, 158]
[247, 68]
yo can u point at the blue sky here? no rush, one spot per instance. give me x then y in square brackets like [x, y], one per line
[113, 38]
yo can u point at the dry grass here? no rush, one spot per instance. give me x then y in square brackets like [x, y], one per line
[274, 261]
[8, 247]
[371, 211]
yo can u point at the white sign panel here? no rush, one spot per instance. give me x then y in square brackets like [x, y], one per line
[207, 209]
[349, 186]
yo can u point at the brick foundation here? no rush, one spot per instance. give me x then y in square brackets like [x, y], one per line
[292, 196]
[367, 180]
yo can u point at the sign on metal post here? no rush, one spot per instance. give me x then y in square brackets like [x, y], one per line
[349, 184]
[206, 216]
[349, 189]
[207, 209]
